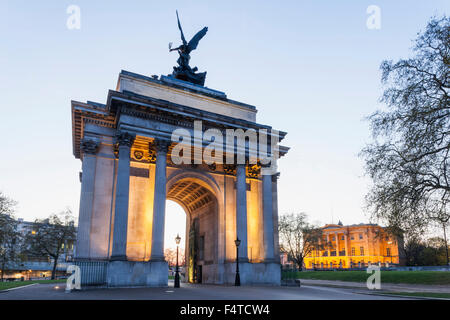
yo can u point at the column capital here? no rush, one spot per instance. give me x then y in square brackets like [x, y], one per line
[124, 138]
[160, 145]
[229, 168]
[275, 177]
[89, 145]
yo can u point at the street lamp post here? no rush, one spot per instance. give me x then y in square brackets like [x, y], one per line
[177, 275]
[237, 281]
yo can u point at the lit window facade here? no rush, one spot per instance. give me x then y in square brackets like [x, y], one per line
[355, 246]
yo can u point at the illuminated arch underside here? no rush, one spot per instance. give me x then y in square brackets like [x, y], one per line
[191, 194]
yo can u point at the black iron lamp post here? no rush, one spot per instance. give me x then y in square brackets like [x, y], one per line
[177, 274]
[237, 281]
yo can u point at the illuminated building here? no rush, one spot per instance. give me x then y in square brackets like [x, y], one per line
[355, 246]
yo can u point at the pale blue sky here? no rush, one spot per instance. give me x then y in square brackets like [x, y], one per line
[310, 67]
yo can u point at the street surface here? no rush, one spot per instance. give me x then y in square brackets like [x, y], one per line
[190, 292]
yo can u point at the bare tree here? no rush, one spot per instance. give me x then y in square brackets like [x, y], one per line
[170, 255]
[298, 238]
[9, 237]
[409, 158]
[49, 235]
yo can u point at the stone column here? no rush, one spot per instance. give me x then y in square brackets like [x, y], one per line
[241, 211]
[337, 244]
[328, 245]
[268, 218]
[346, 244]
[276, 237]
[119, 249]
[367, 251]
[89, 148]
[159, 202]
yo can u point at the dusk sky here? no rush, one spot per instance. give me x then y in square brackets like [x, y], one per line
[310, 67]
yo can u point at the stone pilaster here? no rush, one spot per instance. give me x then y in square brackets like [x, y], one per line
[89, 149]
[124, 140]
[241, 211]
[159, 202]
[268, 218]
[276, 237]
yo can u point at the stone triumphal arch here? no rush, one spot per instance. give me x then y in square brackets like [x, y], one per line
[128, 173]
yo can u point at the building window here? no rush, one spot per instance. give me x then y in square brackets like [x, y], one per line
[352, 238]
[353, 252]
[361, 251]
[388, 252]
[360, 236]
[342, 237]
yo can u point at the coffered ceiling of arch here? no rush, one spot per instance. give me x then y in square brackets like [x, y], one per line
[191, 194]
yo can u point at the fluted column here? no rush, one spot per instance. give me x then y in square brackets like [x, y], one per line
[268, 218]
[159, 202]
[89, 149]
[241, 211]
[119, 249]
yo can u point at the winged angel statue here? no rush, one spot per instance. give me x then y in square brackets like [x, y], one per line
[184, 71]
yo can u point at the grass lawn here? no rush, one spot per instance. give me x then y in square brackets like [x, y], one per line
[14, 284]
[409, 277]
[422, 294]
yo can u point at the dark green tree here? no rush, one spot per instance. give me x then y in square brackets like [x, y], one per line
[9, 237]
[49, 235]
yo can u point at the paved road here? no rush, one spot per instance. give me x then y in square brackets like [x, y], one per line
[189, 292]
[384, 286]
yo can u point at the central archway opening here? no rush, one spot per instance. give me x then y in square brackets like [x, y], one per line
[175, 225]
[200, 228]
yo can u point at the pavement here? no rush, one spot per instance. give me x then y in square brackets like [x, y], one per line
[392, 287]
[191, 292]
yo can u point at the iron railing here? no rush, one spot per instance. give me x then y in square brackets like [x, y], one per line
[93, 273]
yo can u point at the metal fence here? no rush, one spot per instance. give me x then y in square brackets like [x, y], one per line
[93, 273]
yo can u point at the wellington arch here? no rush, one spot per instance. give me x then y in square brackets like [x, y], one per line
[128, 172]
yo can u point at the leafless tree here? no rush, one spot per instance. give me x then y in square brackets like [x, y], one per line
[298, 238]
[170, 255]
[408, 160]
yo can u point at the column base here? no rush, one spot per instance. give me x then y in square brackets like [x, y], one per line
[265, 273]
[118, 258]
[137, 274]
[157, 259]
